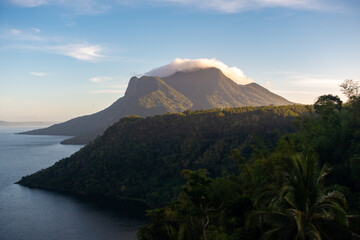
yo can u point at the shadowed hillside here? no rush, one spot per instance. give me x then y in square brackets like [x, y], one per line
[142, 158]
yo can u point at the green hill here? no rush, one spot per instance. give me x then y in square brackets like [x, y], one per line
[141, 158]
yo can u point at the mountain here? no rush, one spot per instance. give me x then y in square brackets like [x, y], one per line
[210, 88]
[148, 96]
[142, 158]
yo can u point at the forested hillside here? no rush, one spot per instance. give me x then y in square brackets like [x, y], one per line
[142, 158]
[307, 187]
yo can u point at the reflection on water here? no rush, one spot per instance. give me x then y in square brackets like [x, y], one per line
[27, 213]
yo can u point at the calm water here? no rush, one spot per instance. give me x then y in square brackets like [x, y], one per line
[37, 214]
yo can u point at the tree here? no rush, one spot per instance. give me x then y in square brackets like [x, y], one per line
[299, 207]
[200, 197]
[350, 88]
[326, 103]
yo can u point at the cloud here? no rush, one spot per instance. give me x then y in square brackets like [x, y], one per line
[297, 92]
[36, 30]
[304, 87]
[58, 45]
[20, 35]
[98, 79]
[107, 84]
[179, 64]
[108, 91]
[29, 3]
[78, 7]
[232, 6]
[92, 7]
[81, 7]
[84, 52]
[15, 32]
[110, 88]
[38, 74]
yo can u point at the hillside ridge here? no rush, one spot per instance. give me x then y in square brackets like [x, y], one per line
[142, 158]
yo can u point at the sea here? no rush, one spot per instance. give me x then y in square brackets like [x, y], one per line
[28, 213]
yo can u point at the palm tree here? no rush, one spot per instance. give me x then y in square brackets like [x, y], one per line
[300, 208]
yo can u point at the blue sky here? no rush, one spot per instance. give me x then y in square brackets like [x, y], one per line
[63, 58]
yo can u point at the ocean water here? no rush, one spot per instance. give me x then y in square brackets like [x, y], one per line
[27, 213]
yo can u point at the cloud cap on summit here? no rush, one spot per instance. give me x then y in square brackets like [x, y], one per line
[179, 65]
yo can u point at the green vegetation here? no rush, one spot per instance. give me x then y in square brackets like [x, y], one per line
[142, 158]
[306, 187]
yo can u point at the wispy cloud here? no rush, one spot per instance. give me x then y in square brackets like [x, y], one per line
[107, 84]
[85, 51]
[21, 34]
[38, 74]
[108, 91]
[305, 87]
[313, 81]
[29, 3]
[80, 7]
[99, 79]
[232, 6]
[297, 92]
[58, 45]
[36, 30]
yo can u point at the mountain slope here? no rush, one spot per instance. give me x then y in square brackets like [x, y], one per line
[142, 158]
[210, 88]
[149, 96]
[144, 96]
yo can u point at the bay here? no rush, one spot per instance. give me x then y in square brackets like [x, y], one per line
[27, 213]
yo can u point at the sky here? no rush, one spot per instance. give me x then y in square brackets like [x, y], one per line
[60, 59]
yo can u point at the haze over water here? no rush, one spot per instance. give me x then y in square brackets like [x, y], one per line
[27, 213]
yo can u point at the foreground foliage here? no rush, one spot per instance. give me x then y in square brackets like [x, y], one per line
[298, 205]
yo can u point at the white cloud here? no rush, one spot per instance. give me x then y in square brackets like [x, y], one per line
[38, 74]
[226, 6]
[231, 6]
[98, 79]
[108, 91]
[107, 84]
[36, 30]
[81, 51]
[110, 88]
[298, 92]
[315, 82]
[78, 7]
[305, 87]
[179, 64]
[20, 35]
[15, 32]
[29, 3]
[85, 52]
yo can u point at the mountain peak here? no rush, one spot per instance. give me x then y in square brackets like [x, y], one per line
[186, 65]
[141, 86]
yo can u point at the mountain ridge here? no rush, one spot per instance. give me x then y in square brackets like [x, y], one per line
[150, 95]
